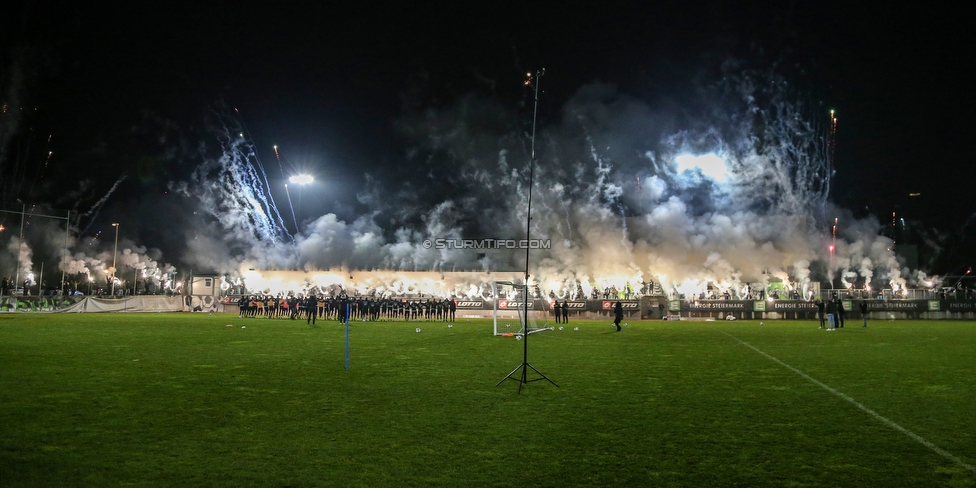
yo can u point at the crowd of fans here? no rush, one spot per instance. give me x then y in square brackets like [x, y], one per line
[312, 307]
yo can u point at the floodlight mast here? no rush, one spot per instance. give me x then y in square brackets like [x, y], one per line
[528, 231]
[524, 367]
[64, 252]
[115, 256]
[20, 242]
[528, 215]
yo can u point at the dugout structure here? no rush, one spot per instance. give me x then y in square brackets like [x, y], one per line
[508, 315]
[202, 293]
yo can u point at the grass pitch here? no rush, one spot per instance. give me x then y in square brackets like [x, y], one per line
[183, 400]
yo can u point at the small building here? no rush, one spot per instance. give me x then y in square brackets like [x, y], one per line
[201, 293]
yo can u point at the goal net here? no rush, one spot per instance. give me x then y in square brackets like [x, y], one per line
[508, 310]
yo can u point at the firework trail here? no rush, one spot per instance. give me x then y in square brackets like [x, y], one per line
[232, 189]
[281, 168]
[93, 212]
[40, 173]
[287, 192]
[292, 207]
[253, 162]
[94, 238]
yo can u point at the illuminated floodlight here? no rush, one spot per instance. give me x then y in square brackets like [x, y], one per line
[301, 179]
[710, 165]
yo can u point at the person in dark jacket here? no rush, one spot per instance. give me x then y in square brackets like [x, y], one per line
[840, 313]
[864, 312]
[565, 312]
[820, 312]
[832, 314]
[618, 315]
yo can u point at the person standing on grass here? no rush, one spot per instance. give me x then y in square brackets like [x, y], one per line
[832, 314]
[618, 314]
[293, 307]
[840, 312]
[820, 312]
[864, 312]
[557, 309]
[340, 310]
[311, 305]
[565, 311]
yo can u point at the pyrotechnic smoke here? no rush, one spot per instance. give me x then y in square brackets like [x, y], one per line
[233, 189]
[24, 258]
[756, 215]
[733, 194]
[132, 264]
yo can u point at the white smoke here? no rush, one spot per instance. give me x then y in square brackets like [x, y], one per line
[133, 264]
[763, 220]
[607, 194]
[24, 254]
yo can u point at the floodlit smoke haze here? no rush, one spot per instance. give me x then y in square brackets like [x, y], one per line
[714, 207]
[696, 146]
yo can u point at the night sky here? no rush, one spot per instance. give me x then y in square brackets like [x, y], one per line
[330, 86]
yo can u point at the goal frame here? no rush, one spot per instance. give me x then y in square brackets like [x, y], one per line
[520, 315]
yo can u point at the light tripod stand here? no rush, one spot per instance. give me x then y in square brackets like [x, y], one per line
[523, 369]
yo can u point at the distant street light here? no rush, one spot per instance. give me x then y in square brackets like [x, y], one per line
[115, 255]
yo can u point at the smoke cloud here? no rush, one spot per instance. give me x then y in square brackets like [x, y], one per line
[607, 193]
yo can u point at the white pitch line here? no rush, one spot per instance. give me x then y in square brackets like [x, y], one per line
[938, 450]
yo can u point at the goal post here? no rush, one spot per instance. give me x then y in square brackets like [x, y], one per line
[508, 316]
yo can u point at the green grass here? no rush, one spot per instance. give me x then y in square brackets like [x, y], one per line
[183, 400]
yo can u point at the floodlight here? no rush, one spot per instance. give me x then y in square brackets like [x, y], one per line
[710, 165]
[302, 179]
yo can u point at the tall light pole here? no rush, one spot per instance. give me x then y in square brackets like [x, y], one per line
[524, 367]
[115, 255]
[300, 180]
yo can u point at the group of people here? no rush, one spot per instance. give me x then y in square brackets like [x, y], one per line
[7, 287]
[832, 313]
[314, 307]
[561, 311]
[280, 307]
[608, 293]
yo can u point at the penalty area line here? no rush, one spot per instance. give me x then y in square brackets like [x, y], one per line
[917, 438]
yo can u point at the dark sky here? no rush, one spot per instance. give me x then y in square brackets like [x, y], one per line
[326, 83]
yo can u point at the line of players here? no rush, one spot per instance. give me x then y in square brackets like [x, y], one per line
[313, 307]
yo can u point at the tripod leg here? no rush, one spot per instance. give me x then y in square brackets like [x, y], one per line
[543, 377]
[510, 374]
